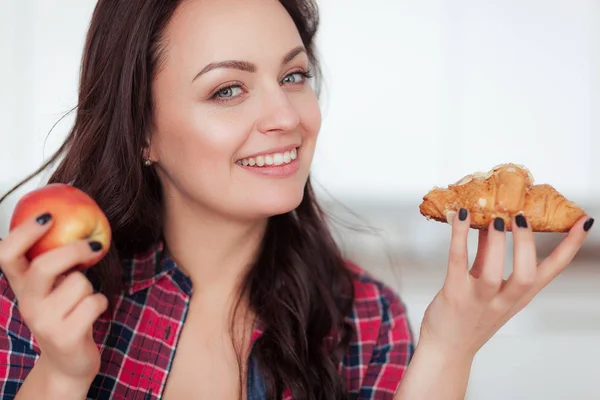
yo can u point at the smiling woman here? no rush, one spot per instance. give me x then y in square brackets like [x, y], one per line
[195, 133]
[248, 101]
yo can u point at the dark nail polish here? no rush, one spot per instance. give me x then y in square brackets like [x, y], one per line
[43, 219]
[499, 224]
[95, 246]
[462, 214]
[521, 221]
[588, 224]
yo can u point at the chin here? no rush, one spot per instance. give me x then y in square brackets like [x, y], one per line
[269, 206]
[281, 206]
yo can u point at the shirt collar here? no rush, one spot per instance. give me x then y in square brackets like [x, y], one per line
[145, 268]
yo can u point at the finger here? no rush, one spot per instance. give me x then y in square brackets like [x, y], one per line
[458, 262]
[47, 267]
[73, 288]
[492, 267]
[564, 253]
[481, 253]
[524, 261]
[14, 247]
[87, 312]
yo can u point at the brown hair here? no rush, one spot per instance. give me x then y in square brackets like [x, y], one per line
[299, 287]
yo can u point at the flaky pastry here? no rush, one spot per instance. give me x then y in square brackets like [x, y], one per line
[505, 191]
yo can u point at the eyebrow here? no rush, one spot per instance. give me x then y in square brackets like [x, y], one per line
[245, 65]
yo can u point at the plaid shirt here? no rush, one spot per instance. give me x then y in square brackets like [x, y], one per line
[138, 343]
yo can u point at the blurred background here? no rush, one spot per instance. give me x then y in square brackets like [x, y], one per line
[417, 93]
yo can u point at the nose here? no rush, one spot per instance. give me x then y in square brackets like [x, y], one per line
[278, 114]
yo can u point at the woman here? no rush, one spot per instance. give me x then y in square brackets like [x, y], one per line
[195, 131]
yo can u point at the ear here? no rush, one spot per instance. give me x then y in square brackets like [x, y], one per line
[148, 152]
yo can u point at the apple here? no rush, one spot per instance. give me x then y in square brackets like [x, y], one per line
[75, 216]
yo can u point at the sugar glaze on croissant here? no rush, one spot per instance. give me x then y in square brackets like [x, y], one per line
[505, 191]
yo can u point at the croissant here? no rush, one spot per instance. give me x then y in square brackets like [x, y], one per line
[505, 191]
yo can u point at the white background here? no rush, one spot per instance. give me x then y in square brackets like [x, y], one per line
[418, 93]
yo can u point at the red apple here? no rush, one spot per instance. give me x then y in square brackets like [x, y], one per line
[75, 215]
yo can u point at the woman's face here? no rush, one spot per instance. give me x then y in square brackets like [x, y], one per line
[236, 116]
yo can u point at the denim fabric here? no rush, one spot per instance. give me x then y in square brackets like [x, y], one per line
[255, 387]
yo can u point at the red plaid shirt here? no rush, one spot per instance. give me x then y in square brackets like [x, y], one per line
[137, 344]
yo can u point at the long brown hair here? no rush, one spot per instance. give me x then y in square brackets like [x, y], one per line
[299, 287]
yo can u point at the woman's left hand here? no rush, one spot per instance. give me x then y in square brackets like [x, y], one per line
[475, 303]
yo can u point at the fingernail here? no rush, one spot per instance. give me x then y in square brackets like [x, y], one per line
[521, 221]
[43, 219]
[499, 224]
[95, 246]
[588, 224]
[462, 214]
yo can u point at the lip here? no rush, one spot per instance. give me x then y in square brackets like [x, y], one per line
[272, 150]
[275, 171]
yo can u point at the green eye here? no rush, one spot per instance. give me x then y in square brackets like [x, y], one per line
[229, 92]
[296, 77]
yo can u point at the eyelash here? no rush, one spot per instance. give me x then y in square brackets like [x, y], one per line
[215, 96]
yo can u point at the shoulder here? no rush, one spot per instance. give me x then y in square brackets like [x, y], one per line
[374, 300]
[382, 343]
[13, 331]
[8, 305]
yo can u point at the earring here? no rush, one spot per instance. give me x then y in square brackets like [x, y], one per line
[147, 162]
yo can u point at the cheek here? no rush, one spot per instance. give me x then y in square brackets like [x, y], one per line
[196, 151]
[310, 115]
[206, 141]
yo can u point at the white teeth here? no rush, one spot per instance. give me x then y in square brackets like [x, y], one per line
[270, 159]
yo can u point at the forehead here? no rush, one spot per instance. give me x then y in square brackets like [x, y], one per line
[225, 29]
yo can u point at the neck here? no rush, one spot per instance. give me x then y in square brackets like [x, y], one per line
[214, 251]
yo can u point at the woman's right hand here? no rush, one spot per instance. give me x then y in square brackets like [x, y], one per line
[58, 305]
